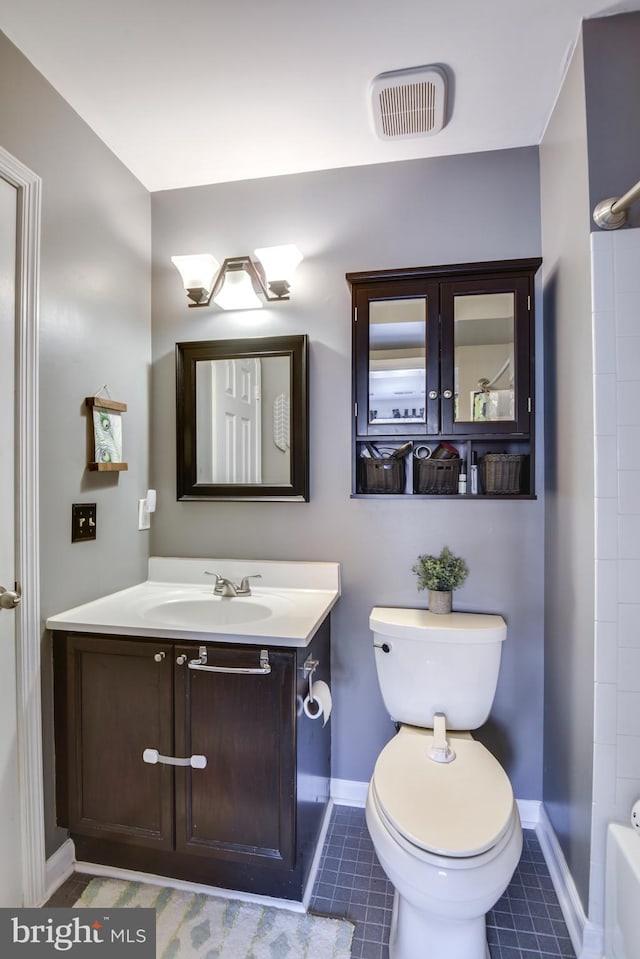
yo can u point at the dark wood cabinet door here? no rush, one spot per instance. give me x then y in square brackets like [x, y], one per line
[241, 806]
[119, 703]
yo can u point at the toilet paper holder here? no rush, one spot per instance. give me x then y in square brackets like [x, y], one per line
[308, 668]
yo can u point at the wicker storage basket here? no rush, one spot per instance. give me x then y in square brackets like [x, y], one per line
[501, 472]
[381, 475]
[435, 475]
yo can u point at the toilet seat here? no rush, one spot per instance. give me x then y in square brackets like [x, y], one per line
[458, 809]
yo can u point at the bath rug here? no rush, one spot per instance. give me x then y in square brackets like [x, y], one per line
[195, 926]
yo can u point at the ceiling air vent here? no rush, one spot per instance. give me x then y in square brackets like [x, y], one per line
[409, 103]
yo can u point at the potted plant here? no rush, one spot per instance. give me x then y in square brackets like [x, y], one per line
[440, 575]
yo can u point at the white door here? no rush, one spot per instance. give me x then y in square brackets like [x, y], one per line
[10, 826]
[236, 422]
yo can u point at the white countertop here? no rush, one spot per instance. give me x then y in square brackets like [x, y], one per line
[286, 608]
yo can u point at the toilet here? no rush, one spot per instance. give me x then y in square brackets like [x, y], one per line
[440, 808]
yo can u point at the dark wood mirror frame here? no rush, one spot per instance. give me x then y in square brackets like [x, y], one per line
[187, 356]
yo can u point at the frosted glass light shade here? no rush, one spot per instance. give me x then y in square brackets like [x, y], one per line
[237, 292]
[197, 270]
[279, 262]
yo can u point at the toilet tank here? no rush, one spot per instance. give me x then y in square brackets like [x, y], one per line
[429, 663]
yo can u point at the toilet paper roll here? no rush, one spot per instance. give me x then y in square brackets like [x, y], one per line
[321, 705]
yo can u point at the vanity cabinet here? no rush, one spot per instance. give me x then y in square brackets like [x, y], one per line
[243, 821]
[443, 354]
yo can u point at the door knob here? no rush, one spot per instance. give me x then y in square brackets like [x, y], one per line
[10, 598]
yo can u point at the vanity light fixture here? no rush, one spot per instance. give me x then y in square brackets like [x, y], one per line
[240, 283]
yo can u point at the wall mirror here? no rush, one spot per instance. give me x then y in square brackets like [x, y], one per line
[483, 357]
[242, 419]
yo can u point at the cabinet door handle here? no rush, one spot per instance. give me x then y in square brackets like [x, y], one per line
[158, 657]
[433, 394]
[201, 663]
[152, 756]
[447, 394]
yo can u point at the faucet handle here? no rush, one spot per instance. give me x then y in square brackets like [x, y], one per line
[219, 580]
[244, 587]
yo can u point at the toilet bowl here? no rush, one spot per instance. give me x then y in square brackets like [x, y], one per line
[440, 808]
[448, 836]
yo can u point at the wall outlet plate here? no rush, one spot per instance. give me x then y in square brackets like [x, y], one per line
[83, 522]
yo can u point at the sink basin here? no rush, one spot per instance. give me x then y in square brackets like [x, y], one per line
[178, 602]
[213, 612]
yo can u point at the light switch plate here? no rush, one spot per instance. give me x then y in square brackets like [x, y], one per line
[144, 519]
[83, 522]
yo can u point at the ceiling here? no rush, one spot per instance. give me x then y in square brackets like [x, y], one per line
[187, 92]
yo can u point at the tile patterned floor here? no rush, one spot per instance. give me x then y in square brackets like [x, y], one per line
[526, 923]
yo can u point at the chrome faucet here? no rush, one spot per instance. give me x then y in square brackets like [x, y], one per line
[225, 587]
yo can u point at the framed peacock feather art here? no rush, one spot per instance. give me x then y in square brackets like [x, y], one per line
[107, 434]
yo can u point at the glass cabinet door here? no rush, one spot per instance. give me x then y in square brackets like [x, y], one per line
[485, 340]
[398, 384]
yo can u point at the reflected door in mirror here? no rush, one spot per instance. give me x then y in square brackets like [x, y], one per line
[243, 420]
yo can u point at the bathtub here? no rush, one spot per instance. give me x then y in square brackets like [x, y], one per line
[622, 893]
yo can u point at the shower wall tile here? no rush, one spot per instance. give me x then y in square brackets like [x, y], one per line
[606, 468]
[629, 447]
[627, 791]
[627, 359]
[606, 591]
[628, 408]
[604, 344]
[605, 714]
[606, 661]
[628, 713]
[626, 313]
[628, 491]
[626, 256]
[628, 624]
[627, 757]
[629, 670]
[605, 409]
[607, 529]
[629, 536]
[628, 580]
[605, 760]
[602, 273]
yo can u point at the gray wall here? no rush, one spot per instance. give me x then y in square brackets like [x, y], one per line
[569, 548]
[95, 329]
[612, 81]
[454, 209]
[590, 151]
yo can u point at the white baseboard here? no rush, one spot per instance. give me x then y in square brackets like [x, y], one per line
[348, 792]
[59, 867]
[587, 937]
[529, 810]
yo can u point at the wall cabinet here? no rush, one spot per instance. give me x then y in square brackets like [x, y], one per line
[242, 821]
[443, 354]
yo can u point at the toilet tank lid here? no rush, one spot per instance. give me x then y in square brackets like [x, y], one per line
[438, 627]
